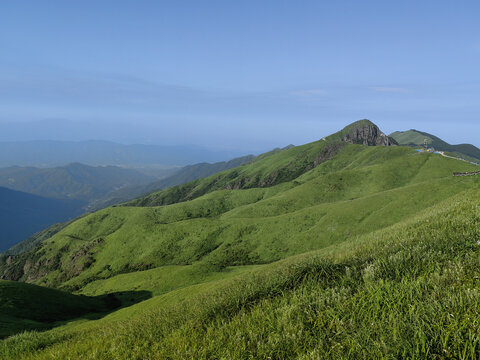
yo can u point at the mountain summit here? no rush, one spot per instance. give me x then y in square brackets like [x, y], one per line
[363, 132]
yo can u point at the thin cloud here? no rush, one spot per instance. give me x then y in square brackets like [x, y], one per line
[391, 89]
[309, 93]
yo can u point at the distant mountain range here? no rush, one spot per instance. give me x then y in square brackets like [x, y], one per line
[32, 199]
[185, 174]
[23, 214]
[48, 153]
[417, 138]
[72, 182]
[78, 187]
[83, 187]
[36, 198]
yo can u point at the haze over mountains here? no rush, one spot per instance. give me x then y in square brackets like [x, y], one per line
[157, 133]
[71, 182]
[151, 209]
[48, 153]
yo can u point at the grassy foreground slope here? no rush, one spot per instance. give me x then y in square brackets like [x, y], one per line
[407, 291]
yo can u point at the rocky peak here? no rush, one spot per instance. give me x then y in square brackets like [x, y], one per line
[365, 132]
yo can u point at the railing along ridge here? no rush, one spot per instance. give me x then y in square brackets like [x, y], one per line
[466, 173]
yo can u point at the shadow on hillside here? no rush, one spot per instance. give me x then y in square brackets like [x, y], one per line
[120, 299]
[115, 301]
[97, 308]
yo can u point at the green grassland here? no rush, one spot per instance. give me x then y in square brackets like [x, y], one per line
[326, 250]
[407, 291]
[363, 189]
[163, 279]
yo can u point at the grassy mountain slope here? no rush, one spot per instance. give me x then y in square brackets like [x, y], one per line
[408, 290]
[196, 171]
[23, 214]
[29, 243]
[183, 175]
[362, 189]
[62, 193]
[275, 167]
[88, 183]
[417, 138]
[74, 181]
[330, 249]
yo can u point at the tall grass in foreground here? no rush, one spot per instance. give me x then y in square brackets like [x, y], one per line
[410, 291]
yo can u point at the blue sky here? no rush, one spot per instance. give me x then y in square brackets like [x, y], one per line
[247, 75]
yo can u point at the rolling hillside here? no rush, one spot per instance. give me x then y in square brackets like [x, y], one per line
[225, 227]
[347, 247]
[22, 215]
[183, 175]
[32, 199]
[407, 291]
[251, 226]
[417, 138]
[44, 234]
[90, 188]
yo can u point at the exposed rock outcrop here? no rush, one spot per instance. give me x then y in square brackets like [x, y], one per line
[364, 132]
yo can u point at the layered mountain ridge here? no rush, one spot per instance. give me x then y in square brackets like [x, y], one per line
[181, 176]
[74, 181]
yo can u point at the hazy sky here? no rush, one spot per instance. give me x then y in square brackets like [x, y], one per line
[239, 74]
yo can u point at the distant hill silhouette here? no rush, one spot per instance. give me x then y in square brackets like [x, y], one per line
[182, 176]
[23, 214]
[47, 153]
[73, 182]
